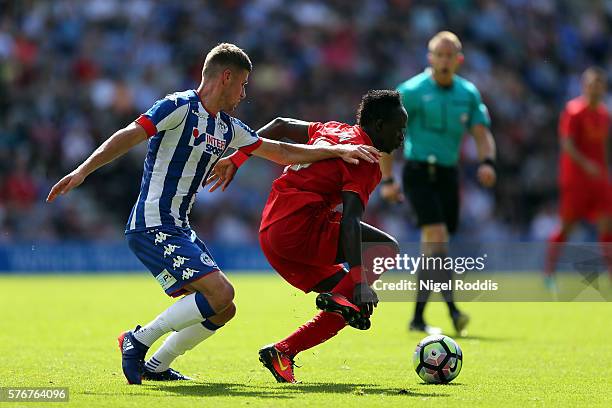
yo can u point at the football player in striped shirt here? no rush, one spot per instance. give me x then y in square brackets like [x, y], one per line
[187, 133]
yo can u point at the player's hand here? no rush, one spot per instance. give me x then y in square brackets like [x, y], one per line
[66, 184]
[365, 297]
[392, 193]
[486, 175]
[353, 153]
[591, 168]
[222, 174]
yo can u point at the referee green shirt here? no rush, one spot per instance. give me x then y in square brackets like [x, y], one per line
[438, 117]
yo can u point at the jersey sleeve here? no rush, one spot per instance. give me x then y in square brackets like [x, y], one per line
[313, 128]
[479, 114]
[165, 114]
[361, 179]
[245, 139]
[324, 133]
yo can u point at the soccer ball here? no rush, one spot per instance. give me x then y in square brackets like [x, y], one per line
[437, 359]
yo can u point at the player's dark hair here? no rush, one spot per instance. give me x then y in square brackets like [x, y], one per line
[225, 56]
[377, 104]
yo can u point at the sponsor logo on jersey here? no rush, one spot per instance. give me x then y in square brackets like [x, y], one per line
[344, 137]
[214, 145]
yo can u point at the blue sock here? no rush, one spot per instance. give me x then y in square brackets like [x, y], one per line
[204, 306]
[211, 326]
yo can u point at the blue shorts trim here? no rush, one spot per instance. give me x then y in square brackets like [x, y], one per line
[175, 256]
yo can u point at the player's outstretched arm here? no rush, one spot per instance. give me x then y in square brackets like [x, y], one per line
[286, 128]
[350, 242]
[297, 130]
[280, 128]
[485, 144]
[287, 153]
[116, 145]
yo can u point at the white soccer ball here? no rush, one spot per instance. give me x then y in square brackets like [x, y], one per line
[437, 359]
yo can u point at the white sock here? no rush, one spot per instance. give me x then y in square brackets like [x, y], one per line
[180, 315]
[177, 344]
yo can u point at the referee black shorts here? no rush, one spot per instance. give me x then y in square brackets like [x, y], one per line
[433, 191]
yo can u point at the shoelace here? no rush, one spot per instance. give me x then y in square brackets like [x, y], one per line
[293, 365]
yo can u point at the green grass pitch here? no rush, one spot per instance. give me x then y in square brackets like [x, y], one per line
[61, 331]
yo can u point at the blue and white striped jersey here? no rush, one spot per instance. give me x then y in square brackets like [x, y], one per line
[185, 143]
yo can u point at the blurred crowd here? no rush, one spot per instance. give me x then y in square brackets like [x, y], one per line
[72, 72]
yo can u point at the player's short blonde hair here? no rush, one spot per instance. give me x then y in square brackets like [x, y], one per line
[223, 56]
[444, 36]
[594, 72]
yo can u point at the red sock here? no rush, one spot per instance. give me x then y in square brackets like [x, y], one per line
[605, 241]
[321, 328]
[555, 242]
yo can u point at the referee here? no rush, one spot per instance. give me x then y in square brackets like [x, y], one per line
[442, 107]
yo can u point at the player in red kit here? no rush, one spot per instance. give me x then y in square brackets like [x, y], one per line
[307, 241]
[585, 191]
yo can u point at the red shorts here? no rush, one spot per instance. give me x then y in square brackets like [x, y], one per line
[303, 246]
[585, 202]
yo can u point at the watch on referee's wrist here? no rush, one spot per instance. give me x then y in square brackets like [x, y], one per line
[387, 181]
[489, 161]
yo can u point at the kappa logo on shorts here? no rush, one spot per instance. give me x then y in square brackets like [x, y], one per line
[206, 259]
[178, 261]
[165, 279]
[160, 237]
[188, 273]
[169, 249]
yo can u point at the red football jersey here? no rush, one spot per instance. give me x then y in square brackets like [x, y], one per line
[324, 181]
[588, 129]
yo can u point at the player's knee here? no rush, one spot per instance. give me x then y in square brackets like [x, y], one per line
[225, 315]
[230, 312]
[224, 298]
[217, 290]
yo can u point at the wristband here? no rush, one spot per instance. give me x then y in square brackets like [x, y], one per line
[387, 180]
[355, 274]
[238, 158]
[490, 162]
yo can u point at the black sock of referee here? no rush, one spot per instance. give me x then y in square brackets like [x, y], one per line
[438, 274]
[447, 276]
[422, 296]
